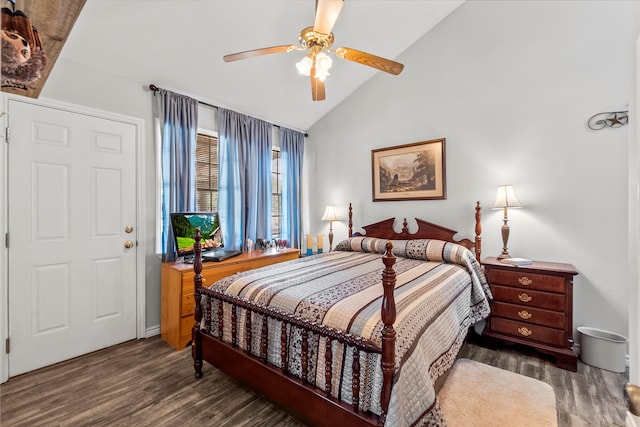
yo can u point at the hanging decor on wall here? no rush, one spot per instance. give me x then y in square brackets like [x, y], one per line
[613, 119]
[409, 172]
[33, 33]
[23, 58]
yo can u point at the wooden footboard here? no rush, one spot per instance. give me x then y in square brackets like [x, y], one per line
[297, 395]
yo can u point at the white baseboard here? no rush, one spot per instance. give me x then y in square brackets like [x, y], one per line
[152, 332]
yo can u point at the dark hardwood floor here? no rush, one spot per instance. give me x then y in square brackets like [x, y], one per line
[147, 383]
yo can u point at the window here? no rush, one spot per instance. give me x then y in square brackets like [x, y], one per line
[207, 180]
[276, 193]
[206, 173]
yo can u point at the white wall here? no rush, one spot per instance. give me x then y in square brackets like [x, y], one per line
[510, 85]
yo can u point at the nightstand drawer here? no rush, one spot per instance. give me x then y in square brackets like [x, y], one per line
[555, 337]
[526, 280]
[529, 298]
[553, 319]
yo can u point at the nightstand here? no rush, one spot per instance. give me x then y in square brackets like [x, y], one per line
[533, 305]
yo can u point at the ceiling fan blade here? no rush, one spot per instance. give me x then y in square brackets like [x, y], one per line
[382, 64]
[317, 85]
[258, 52]
[327, 12]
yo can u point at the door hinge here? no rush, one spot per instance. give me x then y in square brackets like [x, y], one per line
[6, 240]
[7, 346]
[6, 134]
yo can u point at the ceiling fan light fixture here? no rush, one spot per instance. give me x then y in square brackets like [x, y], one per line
[323, 62]
[304, 65]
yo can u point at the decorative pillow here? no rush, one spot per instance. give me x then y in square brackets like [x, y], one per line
[364, 244]
[424, 249]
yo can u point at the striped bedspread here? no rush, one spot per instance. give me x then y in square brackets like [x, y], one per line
[440, 292]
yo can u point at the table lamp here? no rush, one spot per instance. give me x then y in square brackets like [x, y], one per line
[330, 215]
[505, 198]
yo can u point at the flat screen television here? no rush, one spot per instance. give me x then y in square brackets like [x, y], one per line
[184, 224]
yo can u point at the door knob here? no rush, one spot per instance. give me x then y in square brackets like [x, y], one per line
[128, 244]
[128, 229]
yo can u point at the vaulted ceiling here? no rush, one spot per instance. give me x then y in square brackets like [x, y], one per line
[179, 45]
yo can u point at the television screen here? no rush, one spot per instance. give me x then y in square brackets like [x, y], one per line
[184, 224]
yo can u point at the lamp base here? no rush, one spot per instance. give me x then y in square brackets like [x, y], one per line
[330, 237]
[505, 237]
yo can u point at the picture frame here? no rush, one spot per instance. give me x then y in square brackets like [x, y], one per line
[413, 171]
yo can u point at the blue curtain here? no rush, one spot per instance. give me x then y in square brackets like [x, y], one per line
[179, 126]
[244, 178]
[291, 155]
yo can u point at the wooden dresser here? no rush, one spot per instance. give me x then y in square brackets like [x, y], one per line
[533, 305]
[177, 301]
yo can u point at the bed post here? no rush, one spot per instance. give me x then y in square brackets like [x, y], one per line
[388, 314]
[478, 241]
[196, 338]
[350, 221]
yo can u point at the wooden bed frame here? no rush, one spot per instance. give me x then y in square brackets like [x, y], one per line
[301, 399]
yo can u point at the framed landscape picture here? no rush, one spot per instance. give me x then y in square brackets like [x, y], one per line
[409, 172]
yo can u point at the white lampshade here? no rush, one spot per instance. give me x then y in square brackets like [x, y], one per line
[304, 66]
[329, 214]
[506, 198]
[323, 64]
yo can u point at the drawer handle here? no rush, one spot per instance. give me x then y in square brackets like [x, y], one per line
[524, 331]
[524, 298]
[524, 314]
[525, 281]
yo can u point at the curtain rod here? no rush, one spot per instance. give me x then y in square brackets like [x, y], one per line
[153, 88]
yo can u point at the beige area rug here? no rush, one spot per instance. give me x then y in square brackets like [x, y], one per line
[475, 394]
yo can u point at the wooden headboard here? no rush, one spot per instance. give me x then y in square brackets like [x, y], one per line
[426, 230]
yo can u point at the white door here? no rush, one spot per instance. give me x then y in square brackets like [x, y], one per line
[72, 210]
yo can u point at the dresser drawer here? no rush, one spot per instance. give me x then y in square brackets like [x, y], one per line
[186, 324]
[188, 304]
[211, 276]
[543, 334]
[553, 319]
[529, 298]
[525, 280]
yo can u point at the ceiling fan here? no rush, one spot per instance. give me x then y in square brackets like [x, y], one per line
[318, 40]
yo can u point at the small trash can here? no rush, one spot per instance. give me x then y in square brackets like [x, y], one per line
[602, 349]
